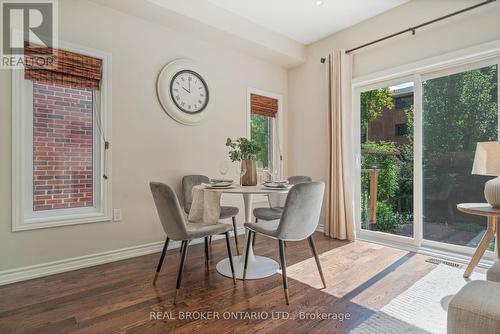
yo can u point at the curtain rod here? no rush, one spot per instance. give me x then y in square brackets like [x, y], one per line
[413, 29]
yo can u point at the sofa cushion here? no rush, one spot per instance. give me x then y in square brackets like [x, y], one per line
[475, 309]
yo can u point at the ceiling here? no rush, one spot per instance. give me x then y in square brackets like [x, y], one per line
[275, 30]
[307, 21]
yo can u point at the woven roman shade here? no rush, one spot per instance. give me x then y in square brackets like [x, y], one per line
[263, 105]
[67, 68]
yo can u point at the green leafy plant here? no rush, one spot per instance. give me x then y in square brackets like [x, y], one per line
[386, 219]
[242, 149]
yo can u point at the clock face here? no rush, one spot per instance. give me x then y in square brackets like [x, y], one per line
[189, 91]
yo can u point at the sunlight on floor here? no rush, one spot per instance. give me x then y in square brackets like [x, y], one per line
[338, 266]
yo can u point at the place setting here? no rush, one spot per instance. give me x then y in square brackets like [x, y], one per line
[219, 184]
[277, 185]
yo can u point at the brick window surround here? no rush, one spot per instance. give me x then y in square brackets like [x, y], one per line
[62, 147]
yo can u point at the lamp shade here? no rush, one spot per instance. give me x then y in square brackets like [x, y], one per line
[487, 159]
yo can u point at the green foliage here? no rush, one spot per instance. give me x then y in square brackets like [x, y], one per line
[388, 166]
[373, 103]
[242, 149]
[403, 199]
[260, 133]
[460, 110]
[386, 219]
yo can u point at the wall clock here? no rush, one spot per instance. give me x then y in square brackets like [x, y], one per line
[183, 92]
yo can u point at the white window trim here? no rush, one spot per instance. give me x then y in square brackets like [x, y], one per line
[462, 60]
[22, 166]
[277, 139]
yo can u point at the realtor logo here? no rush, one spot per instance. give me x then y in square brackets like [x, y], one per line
[32, 22]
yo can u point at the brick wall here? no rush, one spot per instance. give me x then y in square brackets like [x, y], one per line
[62, 147]
[384, 127]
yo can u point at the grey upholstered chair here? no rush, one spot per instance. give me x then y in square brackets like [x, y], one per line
[298, 222]
[276, 202]
[188, 182]
[176, 228]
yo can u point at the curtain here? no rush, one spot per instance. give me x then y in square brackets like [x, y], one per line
[67, 68]
[340, 207]
[263, 105]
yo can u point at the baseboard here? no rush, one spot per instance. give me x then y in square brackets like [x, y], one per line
[56, 267]
[61, 266]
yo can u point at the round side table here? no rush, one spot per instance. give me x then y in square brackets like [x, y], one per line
[493, 228]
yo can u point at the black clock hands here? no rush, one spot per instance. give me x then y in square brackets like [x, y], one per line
[188, 90]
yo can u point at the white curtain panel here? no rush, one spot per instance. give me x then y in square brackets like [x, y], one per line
[339, 222]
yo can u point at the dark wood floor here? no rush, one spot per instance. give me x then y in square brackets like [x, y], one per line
[119, 297]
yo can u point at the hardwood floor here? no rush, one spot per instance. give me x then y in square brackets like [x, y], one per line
[119, 297]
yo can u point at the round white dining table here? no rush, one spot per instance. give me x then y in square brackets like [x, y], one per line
[258, 266]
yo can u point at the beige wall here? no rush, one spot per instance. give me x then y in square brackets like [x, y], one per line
[307, 118]
[146, 143]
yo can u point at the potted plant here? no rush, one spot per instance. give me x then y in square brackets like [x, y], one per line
[244, 150]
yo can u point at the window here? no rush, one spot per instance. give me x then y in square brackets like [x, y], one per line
[459, 109]
[59, 143]
[261, 132]
[403, 102]
[401, 130]
[63, 140]
[264, 110]
[386, 196]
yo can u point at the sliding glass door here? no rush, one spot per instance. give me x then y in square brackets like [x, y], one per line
[387, 159]
[459, 110]
[416, 142]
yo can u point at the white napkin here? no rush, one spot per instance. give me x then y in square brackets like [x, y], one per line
[205, 207]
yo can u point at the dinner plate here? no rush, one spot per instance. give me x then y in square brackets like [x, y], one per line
[215, 186]
[277, 187]
[221, 180]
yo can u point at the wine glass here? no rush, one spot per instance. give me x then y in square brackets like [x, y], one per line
[243, 170]
[276, 174]
[223, 168]
[273, 173]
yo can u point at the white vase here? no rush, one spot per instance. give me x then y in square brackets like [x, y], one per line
[492, 192]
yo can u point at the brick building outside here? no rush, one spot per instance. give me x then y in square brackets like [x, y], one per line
[391, 126]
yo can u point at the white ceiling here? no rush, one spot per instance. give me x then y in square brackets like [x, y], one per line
[303, 20]
[275, 30]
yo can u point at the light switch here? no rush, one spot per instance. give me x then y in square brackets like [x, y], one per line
[117, 215]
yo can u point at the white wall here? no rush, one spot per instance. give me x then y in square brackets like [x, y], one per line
[146, 143]
[307, 117]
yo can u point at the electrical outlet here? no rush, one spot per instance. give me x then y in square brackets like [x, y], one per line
[117, 215]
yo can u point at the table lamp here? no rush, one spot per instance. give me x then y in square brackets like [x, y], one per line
[487, 162]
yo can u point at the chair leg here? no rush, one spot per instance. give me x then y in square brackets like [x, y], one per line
[210, 242]
[181, 269]
[316, 257]
[236, 236]
[247, 250]
[253, 241]
[206, 254]
[229, 253]
[182, 246]
[160, 263]
[283, 269]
